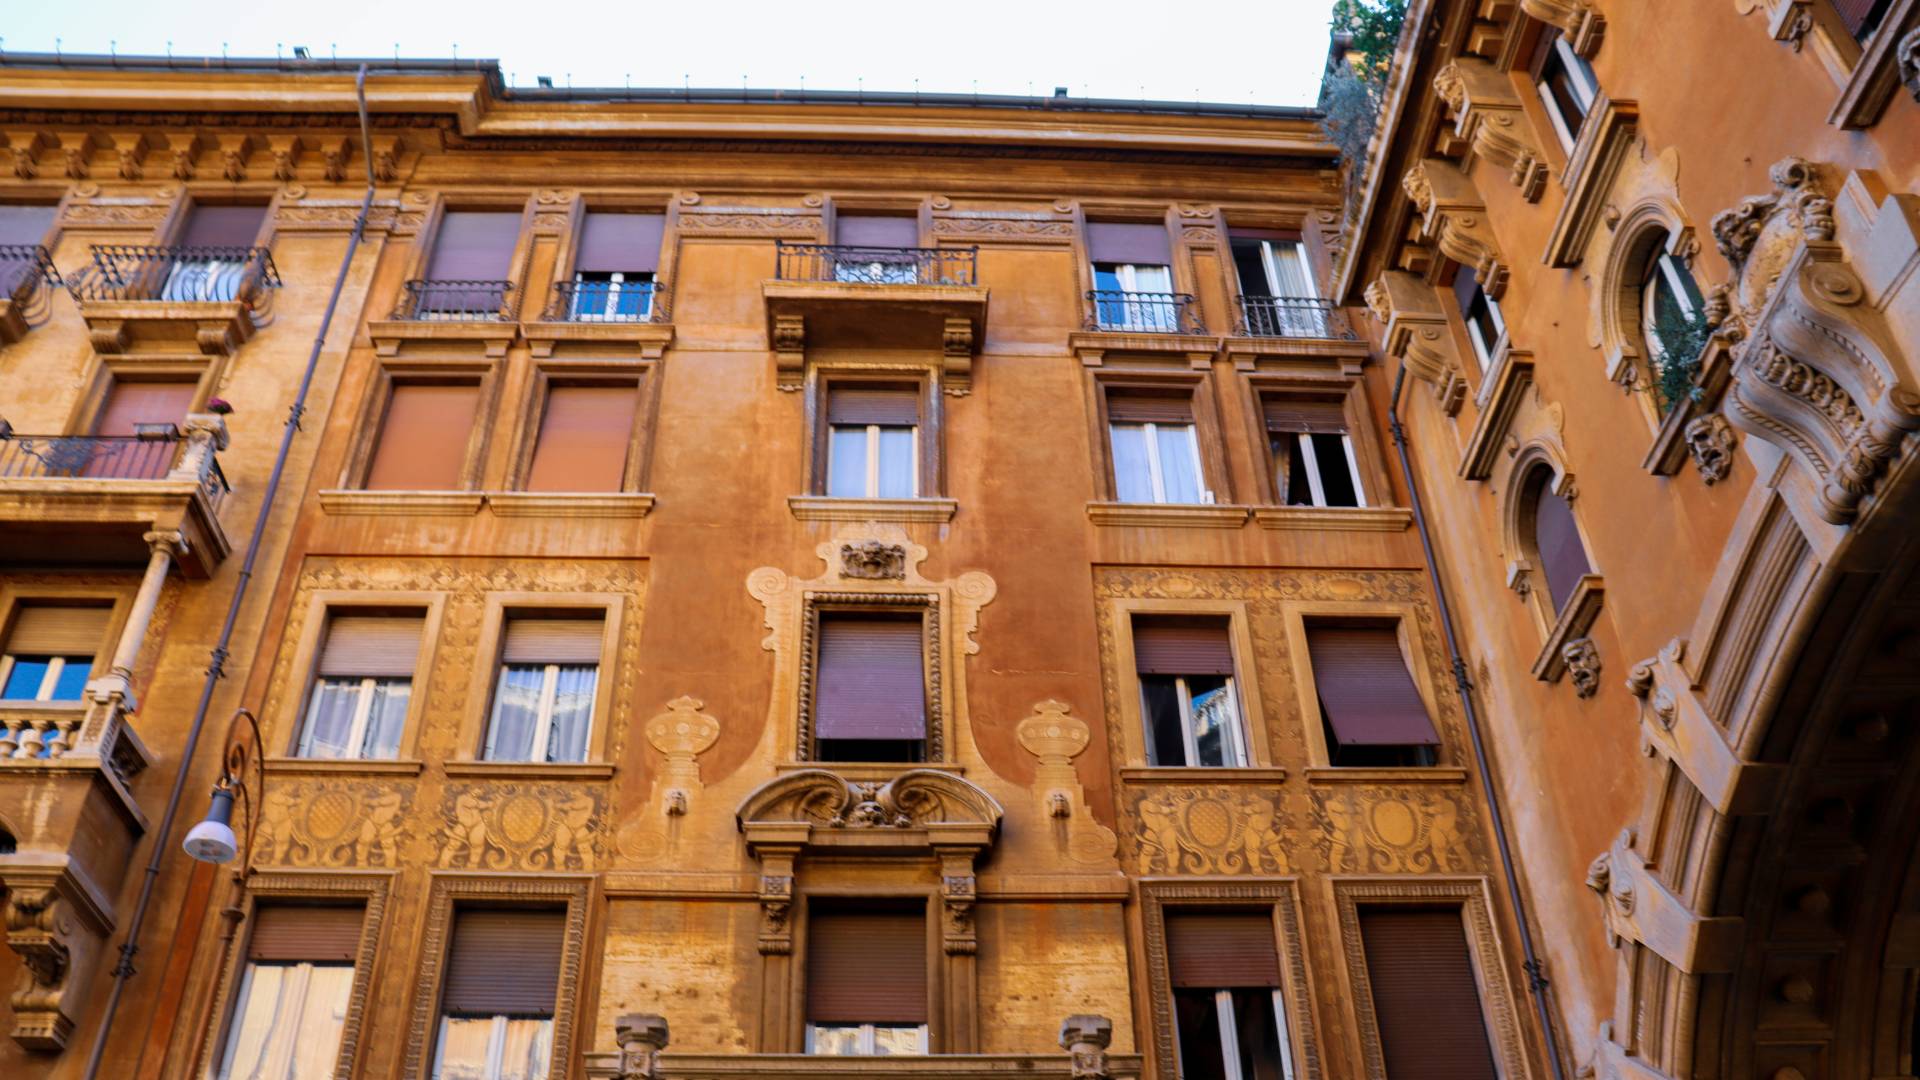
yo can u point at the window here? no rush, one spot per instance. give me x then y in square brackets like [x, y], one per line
[1556, 541]
[135, 431]
[870, 701]
[50, 651]
[497, 998]
[1186, 691]
[216, 242]
[362, 687]
[873, 447]
[294, 992]
[423, 437]
[543, 702]
[1566, 84]
[1425, 999]
[867, 980]
[1156, 451]
[1313, 461]
[1670, 303]
[1229, 1013]
[885, 249]
[585, 433]
[1371, 712]
[1132, 277]
[1863, 17]
[613, 276]
[472, 260]
[1486, 327]
[1277, 297]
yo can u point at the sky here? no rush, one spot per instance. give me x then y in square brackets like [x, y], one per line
[1267, 52]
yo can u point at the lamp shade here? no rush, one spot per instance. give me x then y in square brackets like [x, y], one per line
[212, 840]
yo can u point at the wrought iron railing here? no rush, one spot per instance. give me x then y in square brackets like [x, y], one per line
[177, 275]
[608, 301]
[877, 265]
[148, 455]
[458, 301]
[1292, 317]
[24, 268]
[1143, 312]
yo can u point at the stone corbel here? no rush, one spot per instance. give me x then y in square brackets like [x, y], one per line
[76, 148]
[776, 899]
[1417, 333]
[641, 1037]
[130, 148]
[1611, 1061]
[1055, 739]
[386, 158]
[681, 734]
[956, 364]
[789, 351]
[1456, 220]
[1085, 1038]
[1638, 908]
[234, 151]
[1488, 118]
[334, 151]
[185, 150]
[286, 155]
[59, 928]
[24, 147]
[1578, 19]
[959, 891]
[1674, 723]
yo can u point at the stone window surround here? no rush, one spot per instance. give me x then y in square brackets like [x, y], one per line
[473, 723]
[1361, 429]
[643, 374]
[574, 216]
[939, 744]
[14, 594]
[1867, 75]
[1281, 895]
[823, 376]
[282, 719]
[205, 372]
[942, 1037]
[1247, 690]
[485, 373]
[1206, 420]
[481, 199]
[1406, 623]
[370, 887]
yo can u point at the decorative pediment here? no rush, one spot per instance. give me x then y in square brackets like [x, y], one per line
[915, 799]
[1761, 234]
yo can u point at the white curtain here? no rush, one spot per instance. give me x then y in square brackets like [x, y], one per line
[572, 712]
[288, 1022]
[516, 708]
[330, 719]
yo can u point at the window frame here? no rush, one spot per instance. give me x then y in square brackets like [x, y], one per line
[1663, 270]
[1488, 353]
[1581, 80]
[929, 454]
[936, 1036]
[567, 260]
[543, 714]
[484, 374]
[1156, 468]
[937, 746]
[1210, 443]
[1371, 480]
[873, 455]
[364, 698]
[1121, 612]
[1410, 633]
[289, 712]
[19, 592]
[546, 375]
[1189, 741]
[497, 200]
[476, 722]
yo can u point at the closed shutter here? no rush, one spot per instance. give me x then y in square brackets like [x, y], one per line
[1562, 557]
[871, 680]
[896, 406]
[23, 224]
[584, 432]
[1149, 406]
[553, 641]
[423, 441]
[223, 226]
[1182, 646]
[1278, 236]
[868, 230]
[613, 242]
[867, 967]
[474, 246]
[1425, 999]
[1140, 245]
[1365, 688]
[371, 646]
[1317, 416]
[1856, 13]
[504, 962]
[57, 630]
[296, 933]
[130, 404]
[1221, 950]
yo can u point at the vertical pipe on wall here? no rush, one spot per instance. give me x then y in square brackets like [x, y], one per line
[216, 668]
[1536, 981]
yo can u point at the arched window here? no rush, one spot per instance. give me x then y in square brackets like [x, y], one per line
[1561, 557]
[1670, 319]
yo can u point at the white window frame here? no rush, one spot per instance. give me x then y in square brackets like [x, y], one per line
[872, 489]
[604, 312]
[543, 715]
[1316, 489]
[1583, 88]
[1189, 738]
[1155, 469]
[496, 1042]
[1485, 351]
[362, 717]
[1270, 261]
[1229, 1032]
[1669, 272]
[56, 666]
[866, 1037]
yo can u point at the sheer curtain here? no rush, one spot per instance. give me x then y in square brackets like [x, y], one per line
[1132, 480]
[288, 1023]
[516, 709]
[896, 463]
[330, 719]
[572, 712]
[493, 1048]
[1179, 463]
[386, 718]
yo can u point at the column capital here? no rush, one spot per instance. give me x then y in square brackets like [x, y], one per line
[169, 542]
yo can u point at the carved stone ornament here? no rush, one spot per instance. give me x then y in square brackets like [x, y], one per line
[1578, 19]
[1637, 907]
[1055, 739]
[1417, 333]
[58, 928]
[1906, 54]
[1488, 117]
[1455, 220]
[871, 560]
[1582, 658]
[640, 1037]
[521, 826]
[1085, 1039]
[681, 734]
[1710, 442]
[914, 799]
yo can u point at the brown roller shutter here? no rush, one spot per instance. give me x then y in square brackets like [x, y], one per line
[1856, 13]
[24, 224]
[1278, 236]
[1424, 995]
[474, 246]
[1562, 557]
[371, 646]
[1168, 645]
[869, 230]
[423, 441]
[615, 242]
[223, 226]
[1316, 416]
[867, 967]
[553, 641]
[1141, 245]
[1150, 407]
[504, 962]
[584, 432]
[871, 680]
[296, 933]
[130, 404]
[1365, 688]
[57, 630]
[1222, 950]
[897, 406]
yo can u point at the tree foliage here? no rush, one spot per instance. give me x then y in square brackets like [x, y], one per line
[1355, 88]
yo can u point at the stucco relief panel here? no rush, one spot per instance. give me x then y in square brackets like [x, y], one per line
[1393, 830]
[1209, 830]
[334, 823]
[520, 826]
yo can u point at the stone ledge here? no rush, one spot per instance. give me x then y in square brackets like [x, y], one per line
[1335, 518]
[1168, 515]
[531, 770]
[1411, 774]
[300, 766]
[829, 508]
[571, 504]
[1190, 774]
[342, 501]
[1576, 618]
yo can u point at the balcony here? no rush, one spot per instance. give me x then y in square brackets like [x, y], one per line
[1291, 317]
[27, 278]
[442, 311]
[621, 312]
[1116, 311]
[90, 501]
[843, 296]
[207, 299]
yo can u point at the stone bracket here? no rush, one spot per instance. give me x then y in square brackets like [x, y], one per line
[1417, 333]
[1675, 724]
[1637, 907]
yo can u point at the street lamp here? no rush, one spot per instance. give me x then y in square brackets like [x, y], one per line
[212, 840]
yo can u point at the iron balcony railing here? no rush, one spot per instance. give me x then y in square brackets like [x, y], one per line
[1143, 312]
[153, 452]
[24, 268]
[608, 301]
[1292, 317]
[877, 265]
[458, 301]
[177, 275]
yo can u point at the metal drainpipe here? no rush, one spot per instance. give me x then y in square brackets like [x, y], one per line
[1536, 981]
[216, 668]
